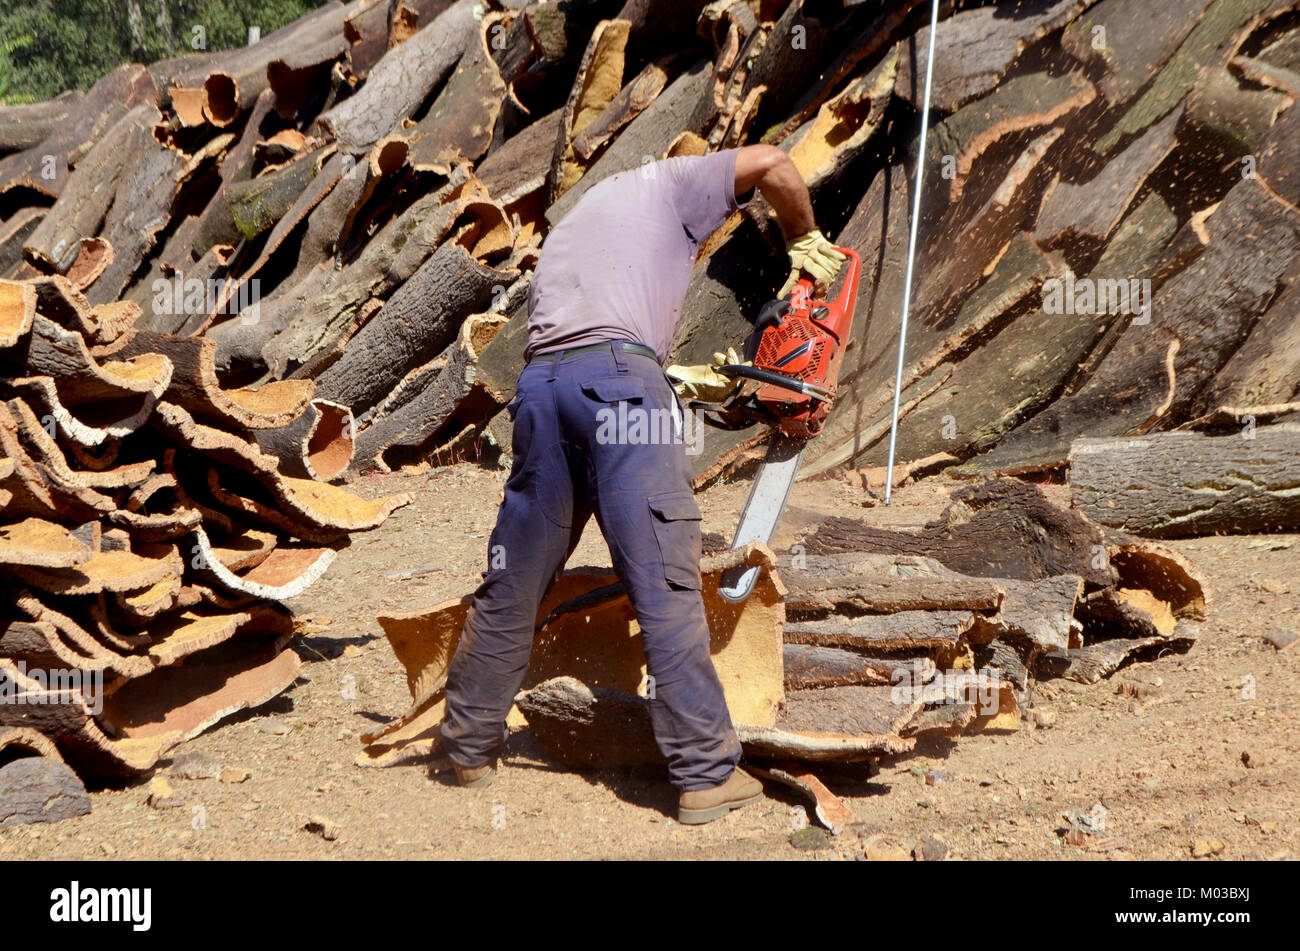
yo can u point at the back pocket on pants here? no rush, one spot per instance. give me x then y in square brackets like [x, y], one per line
[676, 520]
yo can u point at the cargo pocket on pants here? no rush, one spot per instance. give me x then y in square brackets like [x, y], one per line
[676, 520]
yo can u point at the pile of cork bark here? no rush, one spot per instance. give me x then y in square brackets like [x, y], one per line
[150, 519]
[319, 246]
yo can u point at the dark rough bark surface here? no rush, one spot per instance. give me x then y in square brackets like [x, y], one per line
[1176, 485]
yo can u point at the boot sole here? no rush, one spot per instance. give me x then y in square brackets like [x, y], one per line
[695, 817]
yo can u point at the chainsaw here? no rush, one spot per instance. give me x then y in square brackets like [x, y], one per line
[790, 381]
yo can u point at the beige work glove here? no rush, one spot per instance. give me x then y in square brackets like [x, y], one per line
[702, 382]
[813, 255]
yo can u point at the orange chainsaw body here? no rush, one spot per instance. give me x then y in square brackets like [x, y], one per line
[806, 344]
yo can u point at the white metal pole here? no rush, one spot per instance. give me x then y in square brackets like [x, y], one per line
[911, 249]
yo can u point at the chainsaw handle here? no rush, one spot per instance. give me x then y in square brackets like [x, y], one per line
[776, 379]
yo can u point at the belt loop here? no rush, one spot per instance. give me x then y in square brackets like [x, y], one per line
[555, 365]
[620, 358]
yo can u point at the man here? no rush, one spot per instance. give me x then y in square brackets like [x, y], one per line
[603, 307]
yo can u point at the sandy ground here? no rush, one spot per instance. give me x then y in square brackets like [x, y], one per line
[1202, 759]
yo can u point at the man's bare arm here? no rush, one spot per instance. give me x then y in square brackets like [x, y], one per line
[770, 170]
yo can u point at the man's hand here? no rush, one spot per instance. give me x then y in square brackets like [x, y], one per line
[704, 383]
[813, 255]
[770, 170]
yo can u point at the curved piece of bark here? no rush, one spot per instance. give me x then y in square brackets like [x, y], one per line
[439, 397]
[59, 299]
[1267, 75]
[318, 444]
[297, 76]
[458, 126]
[401, 80]
[366, 31]
[19, 741]
[745, 644]
[330, 174]
[585, 727]
[93, 259]
[216, 225]
[153, 714]
[144, 605]
[1038, 612]
[904, 630]
[38, 543]
[599, 78]
[87, 197]
[807, 665]
[112, 325]
[195, 387]
[48, 454]
[111, 98]
[1178, 485]
[258, 203]
[106, 571]
[128, 416]
[310, 510]
[38, 490]
[818, 746]
[887, 584]
[17, 308]
[416, 323]
[234, 79]
[791, 57]
[141, 209]
[285, 572]
[49, 350]
[52, 636]
[14, 232]
[1088, 665]
[631, 101]
[520, 165]
[311, 317]
[843, 125]
[1002, 528]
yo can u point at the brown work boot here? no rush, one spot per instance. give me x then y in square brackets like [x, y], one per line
[704, 805]
[475, 777]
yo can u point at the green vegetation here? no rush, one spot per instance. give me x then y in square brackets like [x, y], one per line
[47, 46]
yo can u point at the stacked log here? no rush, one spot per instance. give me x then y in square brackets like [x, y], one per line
[150, 521]
[365, 192]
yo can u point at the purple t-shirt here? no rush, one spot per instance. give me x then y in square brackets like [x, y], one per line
[617, 265]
